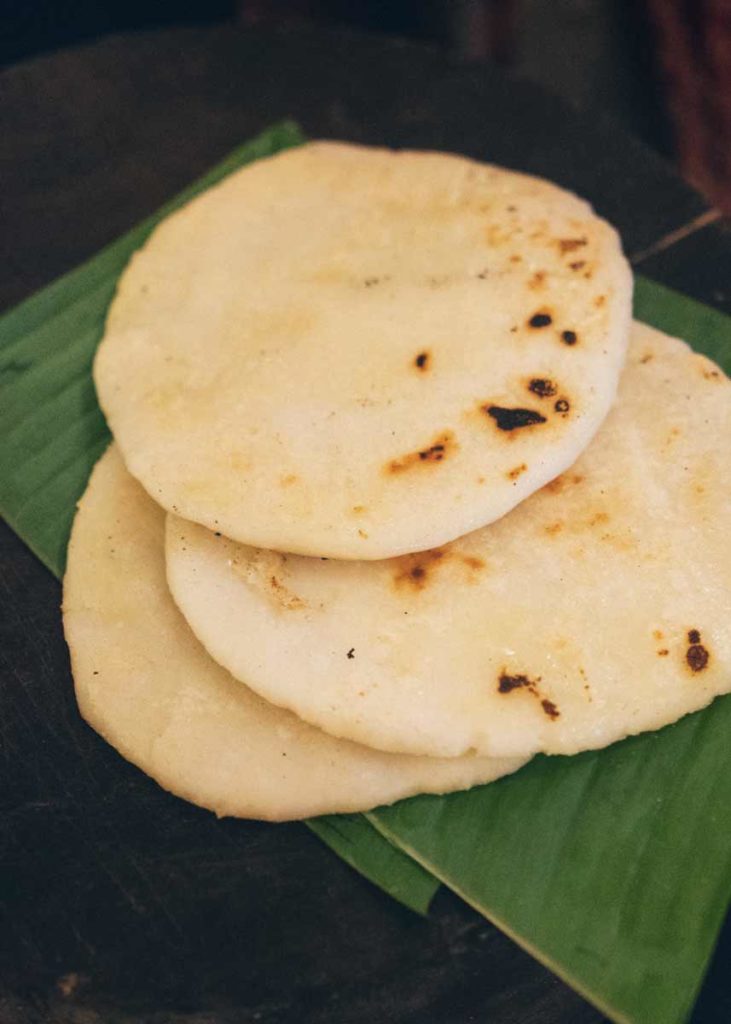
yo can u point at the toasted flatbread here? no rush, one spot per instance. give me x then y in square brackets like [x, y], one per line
[359, 353]
[598, 608]
[144, 682]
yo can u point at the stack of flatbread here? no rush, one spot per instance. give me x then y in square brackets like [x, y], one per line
[399, 495]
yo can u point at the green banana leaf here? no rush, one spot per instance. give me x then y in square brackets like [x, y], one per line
[51, 427]
[378, 859]
[52, 432]
[612, 867]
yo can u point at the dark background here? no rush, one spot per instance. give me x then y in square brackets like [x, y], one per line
[118, 903]
[593, 52]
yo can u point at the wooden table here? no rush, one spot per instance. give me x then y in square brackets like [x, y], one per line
[119, 902]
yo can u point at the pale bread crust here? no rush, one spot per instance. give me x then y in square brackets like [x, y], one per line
[144, 682]
[334, 352]
[598, 608]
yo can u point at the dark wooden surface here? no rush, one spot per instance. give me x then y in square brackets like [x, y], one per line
[120, 903]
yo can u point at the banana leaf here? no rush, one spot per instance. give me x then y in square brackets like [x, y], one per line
[51, 427]
[612, 867]
[378, 859]
[52, 432]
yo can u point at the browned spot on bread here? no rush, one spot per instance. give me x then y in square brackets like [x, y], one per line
[283, 596]
[585, 685]
[697, 656]
[553, 528]
[626, 543]
[513, 419]
[415, 571]
[541, 318]
[599, 301]
[663, 652]
[542, 387]
[442, 446]
[569, 337]
[562, 406]
[712, 374]
[577, 264]
[557, 485]
[550, 708]
[358, 510]
[598, 518]
[646, 358]
[516, 471]
[422, 361]
[496, 235]
[363, 534]
[516, 259]
[268, 572]
[288, 479]
[537, 280]
[508, 683]
[658, 634]
[570, 244]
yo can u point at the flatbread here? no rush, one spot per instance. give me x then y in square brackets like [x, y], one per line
[144, 682]
[600, 607]
[359, 353]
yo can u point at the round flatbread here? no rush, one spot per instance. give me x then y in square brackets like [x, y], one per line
[359, 353]
[599, 608]
[144, 682]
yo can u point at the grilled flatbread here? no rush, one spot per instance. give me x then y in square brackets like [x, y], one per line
[144, 682]
[359, 353]
[600, 607]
